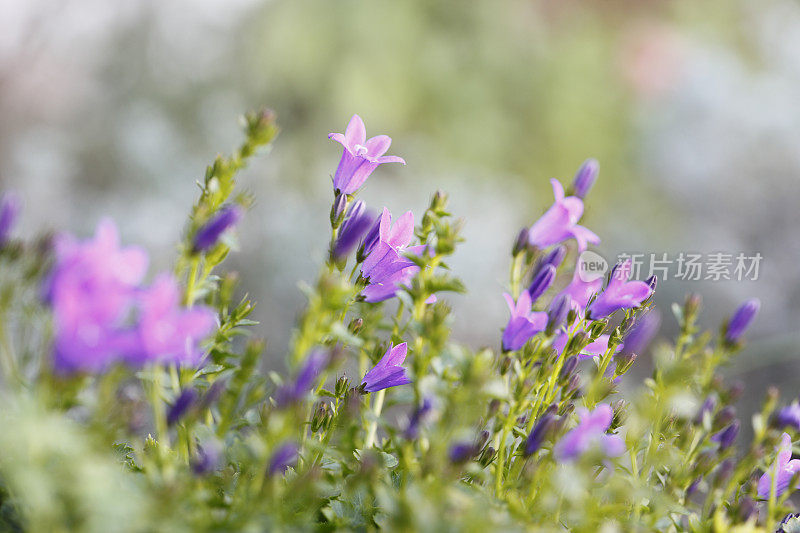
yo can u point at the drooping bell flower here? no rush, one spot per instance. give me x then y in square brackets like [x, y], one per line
[589, 434]
[560, 222]
[619, 294]
[388, 372]
[784, 468]
[356, 223]
[524, 323]
[10, 206]
[360, 157]
[585, 177]
[741, 320]
[209, 233]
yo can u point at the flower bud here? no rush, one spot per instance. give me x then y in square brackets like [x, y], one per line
[726, 437]
[652, 281]
[439, 202]
[569, 366]
[461, 452]
[645, 327]
[554, 257]
[693, 486]
[521, 243]
[577, 343]
[541, 282]
[284, 457]
[747, 509]
[692, 306]
[740, 320]
[557, 313]
[624, 362]
[319, 418]
[370, 240]
[585, 177]
[597, 328]
[338, 210]
[355, 325]
[724, 472]
[543, 428]
[183, 403]
[208, 235]
[725, 416]
[487, 456]
[207, 458]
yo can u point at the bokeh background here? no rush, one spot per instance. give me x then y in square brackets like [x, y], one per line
[115, 108]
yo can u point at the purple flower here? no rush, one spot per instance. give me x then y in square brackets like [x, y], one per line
[708, 406]
[356, 223]
[554, 257]
[541, 282]
[182, 404]
[539, 433]
[741, 319]
[167, 331]
[784, 467]
[91, 289]
[385, 267]
[208, 457]
[461, 452]
[524, 322]
[10, 206]
[210, 232]
[388, 372]
[789, 416]
[360, 156]
[415, 421]
[590, 433]
[581, 291]
[557, 314]
[638, 337]
[560, 222]
[726, 436]
[585, 177]
[283, 457]
[620, 293]
[295, 391]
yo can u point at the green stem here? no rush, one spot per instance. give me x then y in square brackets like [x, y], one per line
[373, 427]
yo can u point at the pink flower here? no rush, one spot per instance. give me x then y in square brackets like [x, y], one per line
[560, 222]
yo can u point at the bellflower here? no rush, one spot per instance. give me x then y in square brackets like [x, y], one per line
[784, 468]
[585, 177]
[560, 222]
[91, 289]
[356, 223]
[167, 331]
[360, 157]
[557, 313]
[741, 319]
[597, 347]
[10, 206]
[619, 294]
[388, 372]
[590, 433]
[539, 433]
[295, 391]
[417, 417]
[727, 435]
[283, 457]
[638, 337]
[208, 235]
[524, 323]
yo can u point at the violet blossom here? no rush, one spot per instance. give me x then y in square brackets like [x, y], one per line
[411, 431]
[185, 400]
[360, 157]
[789, 416]
[560, 222]
[304, 382]
[284, 457]
[524, 323]
[585, 177]
[356, 223]
[590, 433]
[581, 291]
[741, 319]
[619, 294]
[784, 468]
[644, 328]
[388, 372]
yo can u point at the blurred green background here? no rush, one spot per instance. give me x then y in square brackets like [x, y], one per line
[115, 108]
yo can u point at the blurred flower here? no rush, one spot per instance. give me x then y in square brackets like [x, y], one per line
[91, 289]
[554, 257]
[557, 314]
[741, 319]
[208, 235]
[789, 416]
[784, 468]
[356, 223]
[182, 404]
[208, 457]
[541, 282]
[167, 331]
[283, 457]
[560, 222]
[461, 452]
[707, 407]
[581, 291]
[645, 327]
[388, 372]
[585, 177]
[523, 324]
[590, 433]
[595, 348]
[619, 294]
[10, 206]
[412, 429]
[295, 391]
[360, 156]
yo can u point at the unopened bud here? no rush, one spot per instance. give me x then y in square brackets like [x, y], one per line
[355, 325]
[521, 242]
[338, 210]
